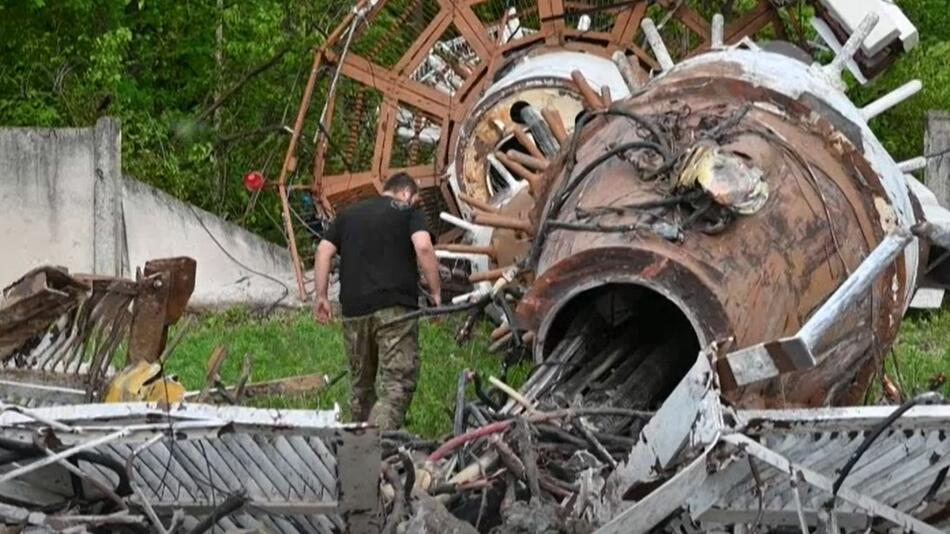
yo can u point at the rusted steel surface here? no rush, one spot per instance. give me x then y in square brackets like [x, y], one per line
[30, 305]
[62, 332]
[748, 278]
[163, 293]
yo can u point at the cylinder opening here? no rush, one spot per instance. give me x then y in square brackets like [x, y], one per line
[619, 345]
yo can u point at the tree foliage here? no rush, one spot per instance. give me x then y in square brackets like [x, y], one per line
[160, 65]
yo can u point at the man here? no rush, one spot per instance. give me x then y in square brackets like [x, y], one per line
[380, 240]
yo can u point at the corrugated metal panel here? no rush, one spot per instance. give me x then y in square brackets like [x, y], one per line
[901, 469]
[284, 462]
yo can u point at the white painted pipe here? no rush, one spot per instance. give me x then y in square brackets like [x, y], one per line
[891, 99]
[656, 43]
[461, 223]
[717, 30]
[467, 256]
[626, 71]
[583, 23]
[912, 165]
[851, 46]
[470, 297]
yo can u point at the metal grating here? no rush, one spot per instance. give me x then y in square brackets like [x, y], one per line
[299, 471]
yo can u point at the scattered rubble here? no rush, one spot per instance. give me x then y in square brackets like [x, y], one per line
[735, 206]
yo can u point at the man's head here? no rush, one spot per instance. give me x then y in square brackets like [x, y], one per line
[402, 187]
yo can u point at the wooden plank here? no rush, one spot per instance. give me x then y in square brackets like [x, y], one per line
[301, 487]
[210, 468]
[749, 23]
[159, 462]
[220, 449]
[474, 32]
[385, 131]
[551, 13]
[341, 183]
[937, 140]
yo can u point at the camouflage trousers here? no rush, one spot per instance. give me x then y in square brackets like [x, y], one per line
[392, 353]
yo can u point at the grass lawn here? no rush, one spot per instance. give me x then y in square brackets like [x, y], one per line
[922, 353]
[289, 344]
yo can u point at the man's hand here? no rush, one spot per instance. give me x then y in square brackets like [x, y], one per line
[436, 299]
[321, 306]
[322, 311]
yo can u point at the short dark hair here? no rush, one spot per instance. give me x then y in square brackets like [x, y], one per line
[401, 182]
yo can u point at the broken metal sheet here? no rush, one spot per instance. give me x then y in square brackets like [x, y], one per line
[899, 479]
[691, 418]
[60, 333]
[31, 304]
[299, 470]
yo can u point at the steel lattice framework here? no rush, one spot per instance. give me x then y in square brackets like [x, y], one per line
[396, 81]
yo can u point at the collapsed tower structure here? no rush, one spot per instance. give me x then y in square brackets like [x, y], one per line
[724, 197]
[438, 88]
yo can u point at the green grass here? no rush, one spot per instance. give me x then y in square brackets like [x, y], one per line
[290, 344]
[922, 353]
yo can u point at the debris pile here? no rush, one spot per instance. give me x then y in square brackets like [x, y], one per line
[696, 465]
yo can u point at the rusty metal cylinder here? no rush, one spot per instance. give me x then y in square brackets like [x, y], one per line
[743, 187]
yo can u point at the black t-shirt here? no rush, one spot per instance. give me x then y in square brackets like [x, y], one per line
[377, 259]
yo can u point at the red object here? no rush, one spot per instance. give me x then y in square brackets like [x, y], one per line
[254, 181]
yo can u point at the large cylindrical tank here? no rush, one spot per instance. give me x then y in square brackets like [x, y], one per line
[753, 188]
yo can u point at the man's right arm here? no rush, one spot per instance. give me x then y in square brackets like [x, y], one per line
[425, 255]
[321, 302]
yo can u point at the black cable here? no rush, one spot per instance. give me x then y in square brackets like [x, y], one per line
[480, 392]
[239, 263]
[231, 505]
[510, 316]
[23, 451]
[930, 397]
[938, 154]
[568, 185]
[594, 211]
[601, 159]
[441, 310]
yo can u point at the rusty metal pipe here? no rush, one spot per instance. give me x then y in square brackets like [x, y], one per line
[556, 123]
[477, 204]
[528, 161]
[501, 221]
[591, 98]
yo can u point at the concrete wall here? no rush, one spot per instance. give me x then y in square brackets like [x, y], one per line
[64, 202]
[57, 200]
[159, 225]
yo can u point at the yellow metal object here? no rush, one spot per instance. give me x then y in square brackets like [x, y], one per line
[142, 382]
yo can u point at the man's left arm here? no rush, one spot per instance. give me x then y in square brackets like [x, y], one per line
[425, 254]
